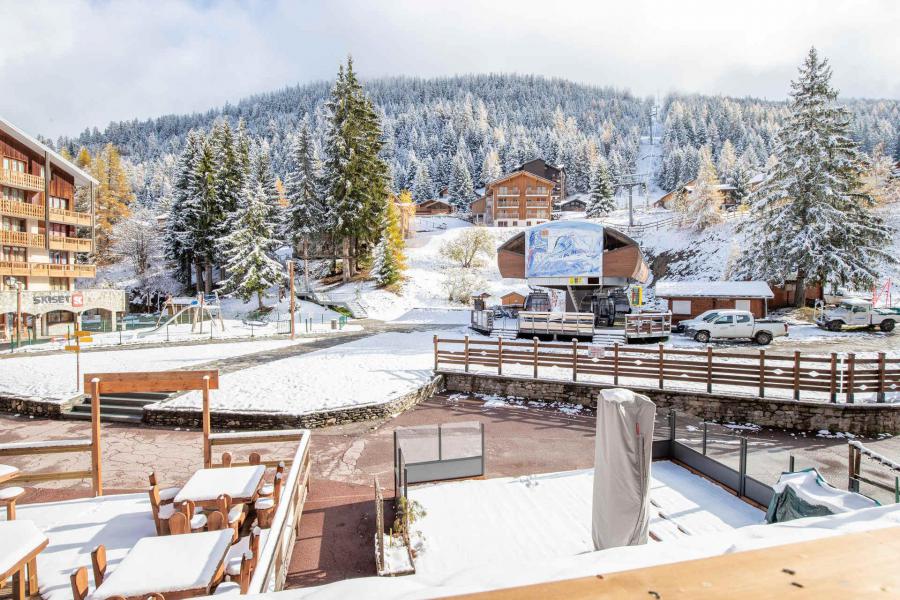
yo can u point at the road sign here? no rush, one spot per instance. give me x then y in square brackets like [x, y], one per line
[82, 333]
[85, 340]
[72, 348]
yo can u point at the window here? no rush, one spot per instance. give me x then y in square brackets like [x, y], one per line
[11, 164]
[12, 224]
[59, 230]
[9, 283]
[14, 254]
[742, 304]
[743, 318]
[726, 320]
[59, 284]
[501, 223]
[681, 307]
[60, 203]
[13, 194]
[58, 257]
[859, 309]
[59, 316]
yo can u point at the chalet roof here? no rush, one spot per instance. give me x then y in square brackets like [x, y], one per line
[713, 289]
[431, 201]
[519, 172]
[81, 177]
[720, 187]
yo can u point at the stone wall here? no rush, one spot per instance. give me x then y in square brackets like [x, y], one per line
[35, 406]
[254, 420]
[859, 419]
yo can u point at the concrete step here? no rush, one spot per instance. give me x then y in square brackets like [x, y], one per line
[114, 409]
[105, 417]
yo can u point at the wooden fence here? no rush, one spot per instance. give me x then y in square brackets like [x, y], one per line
[832, 376]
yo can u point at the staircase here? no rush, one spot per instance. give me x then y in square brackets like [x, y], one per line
[506, 334]
[116, 408]
[608, 337]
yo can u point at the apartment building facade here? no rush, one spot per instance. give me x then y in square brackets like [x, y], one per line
[518, 199]
[45, 239]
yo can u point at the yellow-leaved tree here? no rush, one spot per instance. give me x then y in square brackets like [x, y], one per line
[113, 197]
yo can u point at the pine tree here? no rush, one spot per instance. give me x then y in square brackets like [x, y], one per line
[461, 189]
[248, 249]
[602, 200]
[305, 214]
[811, 220]
[421, 186]
[384, 269]
[114, 195]
[704, 203]
[177, 239]
[490, 170]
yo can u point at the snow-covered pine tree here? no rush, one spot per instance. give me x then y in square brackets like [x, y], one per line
[248, 249]
[490, 170]
[461, 190]
[811, 218]
[421, 187]
[178, 239]
[602, 200]
[703, 206]
[384, 270]
[305, 214]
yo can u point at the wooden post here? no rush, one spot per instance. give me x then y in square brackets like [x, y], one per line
[833, 383]
[796, 374]
[574, 359]
[293, 304]
[466, 354]
[499, 356]
[851, 369]
[661, 366]
[880, 396]
[207, 448]
[762, 373]
[435, 352]
[96, 462]
[709, 360]
[616, 363]
[535, 357]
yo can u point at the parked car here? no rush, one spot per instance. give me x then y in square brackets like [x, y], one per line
[738, 324]
[703, 317]
[856, 312]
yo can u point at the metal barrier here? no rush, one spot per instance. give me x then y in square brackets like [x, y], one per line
[437, 452]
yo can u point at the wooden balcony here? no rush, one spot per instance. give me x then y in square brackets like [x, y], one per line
[22, 181]
[22, 239]
[508, 191]
[22, 209]
[26, 269]
[70, 217]
[71, 244]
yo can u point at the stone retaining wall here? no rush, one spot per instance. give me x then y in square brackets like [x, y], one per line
[35, 406]
[253, 420]
[859, 419]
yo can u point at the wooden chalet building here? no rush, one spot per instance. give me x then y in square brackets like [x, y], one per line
[687, 299]
[434, 207]
[576, 204]
[556, 174]
[45, 239]
[518, 199]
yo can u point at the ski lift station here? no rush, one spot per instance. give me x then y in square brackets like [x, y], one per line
[585, 282]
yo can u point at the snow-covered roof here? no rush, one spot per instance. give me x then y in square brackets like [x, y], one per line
[713, 289]
[720, 187]
[81, 177]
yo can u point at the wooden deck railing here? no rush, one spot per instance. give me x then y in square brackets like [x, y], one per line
[22, 238]
[71, 217]
[30, 269]
[22, 209]
[821, 377]
[549, 323]
[16, 179]
[70, 243]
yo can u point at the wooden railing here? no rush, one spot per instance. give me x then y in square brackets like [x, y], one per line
[22, 238]
[549, 323]
[648, 324]
[22, 209]
[818, 377]
[27, 269]
[71, 217]
[71, 244]
[21, 180]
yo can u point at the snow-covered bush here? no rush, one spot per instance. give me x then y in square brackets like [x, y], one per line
[460, 284]
[470, 248]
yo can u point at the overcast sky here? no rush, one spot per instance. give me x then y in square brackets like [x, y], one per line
[70, 64]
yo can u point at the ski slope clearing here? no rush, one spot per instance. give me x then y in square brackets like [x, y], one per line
[371, 371]
[52, 377]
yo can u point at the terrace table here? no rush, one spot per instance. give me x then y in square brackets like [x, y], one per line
[7, 472]
[22, 541]
[206, 485]
[176, 566]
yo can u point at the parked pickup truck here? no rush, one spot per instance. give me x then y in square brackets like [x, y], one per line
[856, 312]
[703, 317]
[738, 324]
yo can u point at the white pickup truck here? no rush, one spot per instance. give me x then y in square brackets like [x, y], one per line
[856, 312]
[737, 324]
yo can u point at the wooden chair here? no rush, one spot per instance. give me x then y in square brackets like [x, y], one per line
[265, 507]
[79, 581]
[255, 458]
[248, 546]
[226, 459]
[268, 489]
[166, 495]
[161, 513]
[234, 514]
[196, 518]
[178, 524]
[99, 564]
[8, 497]
[239, 585]
[215, 521]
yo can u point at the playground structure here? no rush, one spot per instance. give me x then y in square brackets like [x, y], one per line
[193, 310]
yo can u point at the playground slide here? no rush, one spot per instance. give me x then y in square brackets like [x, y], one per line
[141, 334]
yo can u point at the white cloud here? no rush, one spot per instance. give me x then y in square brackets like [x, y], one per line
[82, 63]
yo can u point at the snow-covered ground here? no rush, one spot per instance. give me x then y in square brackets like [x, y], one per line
[538, 517]
[373, 370]
[52, 377]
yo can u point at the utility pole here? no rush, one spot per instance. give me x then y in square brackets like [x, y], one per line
[18, 314]
[630, 181]
[653, 113]
[293, 307]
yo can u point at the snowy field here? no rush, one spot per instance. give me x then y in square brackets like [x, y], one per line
[53, 377]
[370, 371]
[540, 517]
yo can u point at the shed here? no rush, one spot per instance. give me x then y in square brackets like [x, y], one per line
[512, 299]
[687, 299]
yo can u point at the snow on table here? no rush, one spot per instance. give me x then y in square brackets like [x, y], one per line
[208, 484]
[370, 371]
[20, 538]
[75, 527]
[7, 472]
[167, 564]
[52, 377]
[537, 517]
